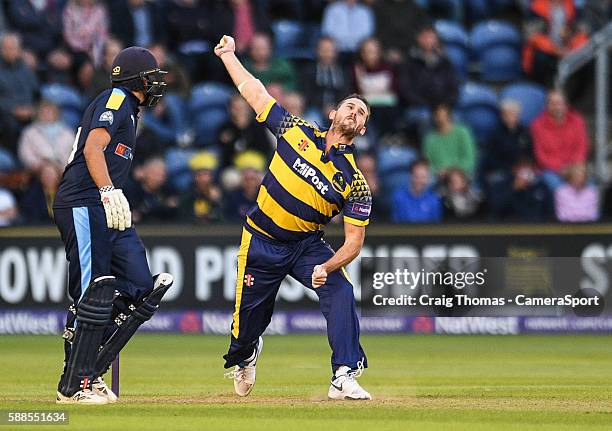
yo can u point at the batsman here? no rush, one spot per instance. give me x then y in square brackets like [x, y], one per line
[312, 177]
[109, 279]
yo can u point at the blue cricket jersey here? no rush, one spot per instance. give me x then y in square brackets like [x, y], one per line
[115, 110]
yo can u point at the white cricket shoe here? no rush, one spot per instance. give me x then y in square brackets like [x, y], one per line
[344, 385]
[86, 396]
[244, 376]
[100, 388]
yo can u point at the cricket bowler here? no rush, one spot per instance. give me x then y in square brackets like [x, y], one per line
[311, 178]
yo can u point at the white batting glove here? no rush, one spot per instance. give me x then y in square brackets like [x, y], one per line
[116, 207]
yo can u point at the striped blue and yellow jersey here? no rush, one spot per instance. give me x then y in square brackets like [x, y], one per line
[305, 188]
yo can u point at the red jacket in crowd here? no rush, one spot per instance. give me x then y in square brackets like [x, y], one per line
[543, 8]
[559, 144]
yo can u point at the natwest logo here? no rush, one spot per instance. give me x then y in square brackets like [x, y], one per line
[309, 173]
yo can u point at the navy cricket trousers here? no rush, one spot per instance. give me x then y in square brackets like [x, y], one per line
[262, 265]
[94, 250]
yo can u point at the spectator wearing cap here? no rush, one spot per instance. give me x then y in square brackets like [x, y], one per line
[149, 198]
[560, 139]
[238, 202]
[450, 145]
[202, 204]
[576, 200]
[349, 23]
[45, 141]
[240, 133]
[267, 68]
[417, 203]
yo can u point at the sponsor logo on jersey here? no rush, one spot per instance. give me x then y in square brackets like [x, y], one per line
[338, 182]
[362, 209]
[107, 116]
[308, 172]
[124, 151]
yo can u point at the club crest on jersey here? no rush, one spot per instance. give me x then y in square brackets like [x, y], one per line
[338, 182]
[249, 280]
[107, 116]
[303, 145]
[124, 151]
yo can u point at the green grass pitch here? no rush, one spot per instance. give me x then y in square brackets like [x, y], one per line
[174, 382]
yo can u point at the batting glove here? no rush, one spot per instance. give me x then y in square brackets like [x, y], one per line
[116, 207]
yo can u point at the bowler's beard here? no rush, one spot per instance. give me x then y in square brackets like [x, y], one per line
[345, 129]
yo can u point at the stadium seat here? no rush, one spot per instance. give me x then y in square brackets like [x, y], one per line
[530, 96]
[294, 40]
[455, 41]
[68, 99]
[208, 109]
[496, 45]
[177, 166]
[478, 107]
[207, 95]
[393, 167]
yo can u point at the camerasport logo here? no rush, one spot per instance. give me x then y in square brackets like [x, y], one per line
[124, 151]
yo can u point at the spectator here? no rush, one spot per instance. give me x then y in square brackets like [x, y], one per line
[557, 13]
[85, 26]
[239, 201]
[461, 199]
[374, 79]
[39, 22]
[427, 79]
[100, 80]
[135, 22]
[576, 200]
[269, 69]
[417, 203]
[526, 199]
[202, 204]
[47, 140]
[149, 200]
[508, 145]
[8, 208]
[248, 20]
[37, 200]
[542, 52]
[349, 24]
[324, 82]
[18, 89]
[559, 139]
[449, 145]
[241, 134]
[396, 24]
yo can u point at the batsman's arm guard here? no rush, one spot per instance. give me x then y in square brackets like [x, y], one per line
[140, 314]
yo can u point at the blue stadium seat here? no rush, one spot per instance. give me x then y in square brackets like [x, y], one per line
[177, 166]
[206, 124]
[478, 107]
[530, 96]
[68, 99]
[207, 95]
[294, 40]
[497, 47]
[455, 41]
[393, 167]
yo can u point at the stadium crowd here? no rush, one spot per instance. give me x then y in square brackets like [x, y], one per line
[464, 126]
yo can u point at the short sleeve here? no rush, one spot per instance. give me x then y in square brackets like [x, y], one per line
[110, 112]
[278, 120]
[359, 202]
